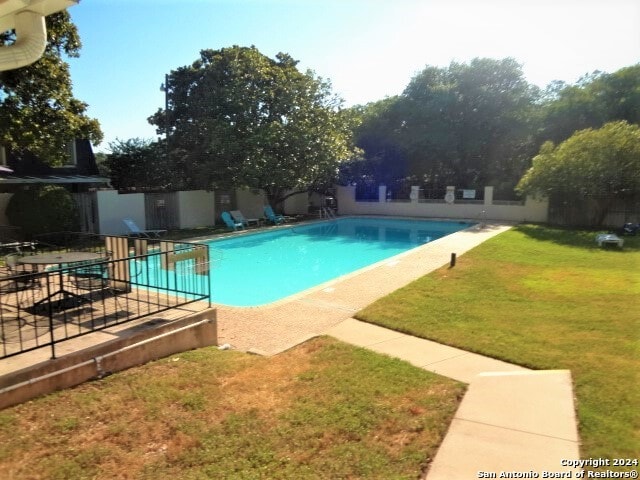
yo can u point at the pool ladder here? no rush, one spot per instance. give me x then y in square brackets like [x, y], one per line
[326, 212]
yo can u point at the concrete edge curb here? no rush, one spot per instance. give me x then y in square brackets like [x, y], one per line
[195, 331]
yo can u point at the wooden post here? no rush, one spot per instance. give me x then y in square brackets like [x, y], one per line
[119, 277]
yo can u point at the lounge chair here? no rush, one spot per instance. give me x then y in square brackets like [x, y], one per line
[273, 217]
[630, 229]
[229, 222]
[603, 238]
[134, 230]
[239, 217]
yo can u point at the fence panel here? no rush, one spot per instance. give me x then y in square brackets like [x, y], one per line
[594, 211]
[64, 300]
[162, 210]
[87, 205]
[225, 200]
[367, 192]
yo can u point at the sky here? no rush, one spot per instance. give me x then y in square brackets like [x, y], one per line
[368, 49]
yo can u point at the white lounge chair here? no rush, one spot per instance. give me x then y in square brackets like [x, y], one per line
[136, 231]
[603, 238]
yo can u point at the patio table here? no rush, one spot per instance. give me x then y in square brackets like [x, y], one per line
[61, 258]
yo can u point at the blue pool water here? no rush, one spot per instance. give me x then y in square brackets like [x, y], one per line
[261, 268]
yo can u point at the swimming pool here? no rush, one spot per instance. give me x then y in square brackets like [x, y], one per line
[260, 268]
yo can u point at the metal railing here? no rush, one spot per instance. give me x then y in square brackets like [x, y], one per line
[366, 192]
[125, 279]
[326, 212]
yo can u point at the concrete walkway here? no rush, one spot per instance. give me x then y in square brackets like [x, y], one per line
[511, 419]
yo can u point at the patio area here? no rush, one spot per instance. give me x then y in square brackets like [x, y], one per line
[83, 284]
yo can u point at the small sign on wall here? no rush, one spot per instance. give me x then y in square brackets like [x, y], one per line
[469, 194]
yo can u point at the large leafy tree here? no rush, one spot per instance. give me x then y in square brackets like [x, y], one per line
[471, 123]
[138, 164]
[594, 100]
[38, 112]
[377, 135]
[602, 165]
[467, 125]
[238, 118]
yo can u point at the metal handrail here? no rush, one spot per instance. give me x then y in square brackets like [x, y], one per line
[36, 311]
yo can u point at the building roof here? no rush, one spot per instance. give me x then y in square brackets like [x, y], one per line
[50, 179]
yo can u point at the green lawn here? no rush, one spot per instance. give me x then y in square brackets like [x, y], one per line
[547, 299]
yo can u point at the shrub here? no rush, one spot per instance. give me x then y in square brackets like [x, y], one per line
[43, 210]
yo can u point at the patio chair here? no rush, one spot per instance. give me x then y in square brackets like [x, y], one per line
[612, 238]
[134, 230]
[17, 278]
[90, 276]
[274, 218]
[630, 229]
[239, 217]
[229, 222]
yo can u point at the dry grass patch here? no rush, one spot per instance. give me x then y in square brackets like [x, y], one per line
[321, 410]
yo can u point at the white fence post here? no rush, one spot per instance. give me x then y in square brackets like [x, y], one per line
[382, 193]
[414, 196]
[488, 195]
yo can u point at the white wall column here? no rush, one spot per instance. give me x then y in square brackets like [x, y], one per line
[382, 193]
[488, 195]
[414, 196]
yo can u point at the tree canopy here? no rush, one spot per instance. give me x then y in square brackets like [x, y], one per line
[481, 123]
[467, 124]
[38, 112]
[599, 163]
[239, 118]
[595, 100]
[139, 165]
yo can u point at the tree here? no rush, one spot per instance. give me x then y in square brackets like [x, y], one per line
[239, 118]
[596, 99]
[139, 164]
[468, 125]
[385, 157]
[602, 164]
[38, 112]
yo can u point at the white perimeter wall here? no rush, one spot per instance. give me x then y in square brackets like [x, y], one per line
[531, 211]
[297, 204]
[113, 207]
[251, 203]
[197, 208]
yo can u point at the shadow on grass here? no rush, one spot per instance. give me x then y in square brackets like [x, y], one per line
[579, 238]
